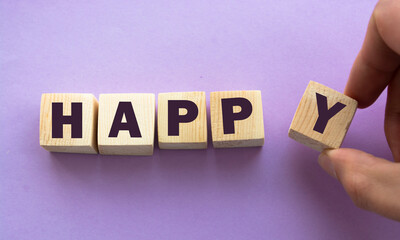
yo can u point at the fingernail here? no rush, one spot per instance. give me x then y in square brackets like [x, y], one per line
[325, 162]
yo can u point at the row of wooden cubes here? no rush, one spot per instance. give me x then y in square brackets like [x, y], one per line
[124, 124]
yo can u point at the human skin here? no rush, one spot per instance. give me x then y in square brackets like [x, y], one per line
[373, 183]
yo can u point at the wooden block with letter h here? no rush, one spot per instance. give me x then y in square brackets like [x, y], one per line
[322, 118]
[126, 124]
[68, 122]
[182, 120]
[237, 119]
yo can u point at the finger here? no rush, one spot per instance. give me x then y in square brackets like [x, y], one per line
[392, 116]
[372, 183]
[379, 57]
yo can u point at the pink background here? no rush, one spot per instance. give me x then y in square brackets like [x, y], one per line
[274, 192]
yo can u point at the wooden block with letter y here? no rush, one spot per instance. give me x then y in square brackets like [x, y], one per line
[126, 124]
[182, 120]
[236, 119]
[322, 117]
[68, 122]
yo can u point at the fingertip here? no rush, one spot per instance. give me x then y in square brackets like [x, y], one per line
[336, 161]
[325, 161]
[339, 154]
[331, 152]
[348, 159]
[355, 90]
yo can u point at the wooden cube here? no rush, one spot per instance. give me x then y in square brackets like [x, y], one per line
[126, 124]
[182, 120]
[322, 117]
[236, 119]
[68, 122]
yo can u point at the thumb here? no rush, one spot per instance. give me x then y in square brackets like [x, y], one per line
[372, 183]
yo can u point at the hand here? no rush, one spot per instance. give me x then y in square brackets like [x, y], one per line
[374, 183]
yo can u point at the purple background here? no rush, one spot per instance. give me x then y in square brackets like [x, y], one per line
[274, 192]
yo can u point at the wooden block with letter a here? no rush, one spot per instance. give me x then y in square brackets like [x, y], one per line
[182, 120]
[68, 122]
[236, 119]
[126, 124]
[322, 117]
